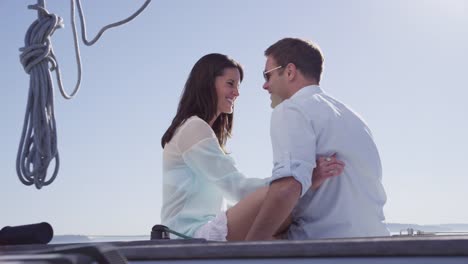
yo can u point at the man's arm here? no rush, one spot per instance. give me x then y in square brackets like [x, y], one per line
[280, 200]
[294, 150]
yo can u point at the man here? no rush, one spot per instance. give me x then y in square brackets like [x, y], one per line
[350, 205]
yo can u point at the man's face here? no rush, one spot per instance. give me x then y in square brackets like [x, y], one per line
[275, 81]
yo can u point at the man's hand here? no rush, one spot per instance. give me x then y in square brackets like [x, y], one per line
[326, 167]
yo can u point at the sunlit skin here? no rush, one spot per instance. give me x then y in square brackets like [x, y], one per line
[284, 82]
[275, 100]
[275, 84]
[227, 91]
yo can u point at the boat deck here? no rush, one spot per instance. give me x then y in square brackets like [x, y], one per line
[399, 249]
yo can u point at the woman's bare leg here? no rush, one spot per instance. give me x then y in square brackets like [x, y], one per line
[241, 216]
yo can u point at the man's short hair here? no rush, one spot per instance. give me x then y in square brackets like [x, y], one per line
[306, 55]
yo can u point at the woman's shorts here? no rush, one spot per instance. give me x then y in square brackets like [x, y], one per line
[215, 230]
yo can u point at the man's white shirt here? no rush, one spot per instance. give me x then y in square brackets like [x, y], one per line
[312, 124]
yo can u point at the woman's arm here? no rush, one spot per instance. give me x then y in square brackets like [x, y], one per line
[201, 152]
[326, 167]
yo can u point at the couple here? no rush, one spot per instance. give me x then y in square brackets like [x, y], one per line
[309, 131]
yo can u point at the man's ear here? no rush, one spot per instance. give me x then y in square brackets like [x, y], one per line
[291, 71]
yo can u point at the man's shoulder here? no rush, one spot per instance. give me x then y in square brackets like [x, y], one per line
[309, 105]
[286, 110]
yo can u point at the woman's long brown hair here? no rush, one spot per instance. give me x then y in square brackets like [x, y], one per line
[199, 97]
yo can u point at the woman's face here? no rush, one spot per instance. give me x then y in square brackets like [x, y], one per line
[227, 90]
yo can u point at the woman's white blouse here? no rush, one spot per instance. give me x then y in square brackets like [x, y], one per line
[197, 175]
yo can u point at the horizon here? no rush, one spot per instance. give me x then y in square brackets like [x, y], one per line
[392, 228]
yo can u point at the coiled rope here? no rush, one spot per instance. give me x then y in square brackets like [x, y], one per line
[38, 144]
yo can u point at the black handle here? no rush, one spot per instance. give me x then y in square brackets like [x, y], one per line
[40, 233]
[159, 232]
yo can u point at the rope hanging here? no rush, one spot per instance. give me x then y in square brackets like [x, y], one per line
[38, 144]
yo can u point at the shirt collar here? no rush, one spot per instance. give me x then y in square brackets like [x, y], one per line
[308, 90]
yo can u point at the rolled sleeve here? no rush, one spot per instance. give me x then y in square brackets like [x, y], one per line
[294, 145]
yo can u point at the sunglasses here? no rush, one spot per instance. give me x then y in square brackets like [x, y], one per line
[266, 74]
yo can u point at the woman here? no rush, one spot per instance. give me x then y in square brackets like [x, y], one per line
[197, 173]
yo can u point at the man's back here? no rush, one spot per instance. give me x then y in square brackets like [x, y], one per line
[350, 205]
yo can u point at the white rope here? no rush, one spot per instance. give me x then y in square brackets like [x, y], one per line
[38, 144]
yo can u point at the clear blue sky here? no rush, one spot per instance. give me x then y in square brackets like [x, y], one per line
[401, 64]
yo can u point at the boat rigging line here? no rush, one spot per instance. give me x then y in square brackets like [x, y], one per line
[38, 144]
